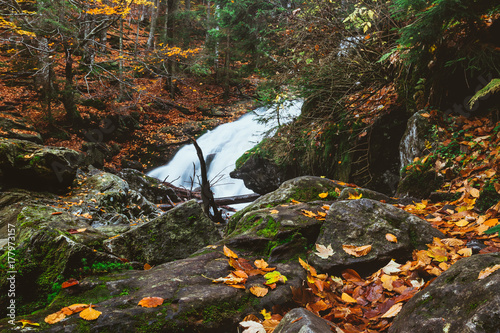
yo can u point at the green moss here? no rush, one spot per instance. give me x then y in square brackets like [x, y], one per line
[488, 196]
[258, 150]
[270, 230]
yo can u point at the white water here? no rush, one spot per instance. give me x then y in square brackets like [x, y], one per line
[221, 147]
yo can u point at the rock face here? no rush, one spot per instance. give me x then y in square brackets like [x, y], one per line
[46, 252]
[412, 143]
[174, 235]
[151, 188]
[300, 320]
[192, 303]
[29, 165]
[366, 222]
[456, 301]
[11, 126]
[259, 174]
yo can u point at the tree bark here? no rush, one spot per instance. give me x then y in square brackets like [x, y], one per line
[68, 94]
[154, 20]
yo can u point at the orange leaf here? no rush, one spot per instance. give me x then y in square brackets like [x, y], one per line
[237, 286]
[357, 251]
[240, 274]
[348, 299]
[90, 314]
[147, 266]
[259, 291]
[391, 238]
[260, 263]
[393, 311]
[56, 213]
[452, 242]
[308, 213]
[55, 317]
[69, 283]
[487, 271]
[274, 211]
[230, 254]
[150, 302]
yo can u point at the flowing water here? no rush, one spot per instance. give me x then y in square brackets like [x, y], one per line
[221, 147]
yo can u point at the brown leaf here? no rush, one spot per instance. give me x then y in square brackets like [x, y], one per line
[453, 242]
[230, 254]
[90, 314]
[259, 291]
[150, 302]
[357, 251]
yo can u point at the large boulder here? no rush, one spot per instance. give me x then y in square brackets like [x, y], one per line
[456, 301]
[366, 222]
[300, 320]
[174, 235]
[151, 188]
[192, 302]
[47, 253]
[29, 165]
[260, 174]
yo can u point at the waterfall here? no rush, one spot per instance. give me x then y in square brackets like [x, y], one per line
[221, 147]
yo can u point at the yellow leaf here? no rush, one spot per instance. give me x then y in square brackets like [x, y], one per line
[487, 271]
[150, 302]
[453, 242]
[230, 254]
[90, 314]
[357, 251]
[465, 252]
[308, 213]
[393, 311]
[274, 211]
[55, 317]
[391, 238]
[461, 223]
[27, 322]
[387, 281]
[323, 195]
[348, 299]
[265, 314]
[354, 197]
[259, 291]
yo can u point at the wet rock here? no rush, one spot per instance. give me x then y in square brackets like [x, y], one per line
[366, 222]
[192, 303]
[412, 143]
[259, 174]
[151, 188]
[300, 320]
[29, 165]
[174, 235]
[46, 253]
[456, 301]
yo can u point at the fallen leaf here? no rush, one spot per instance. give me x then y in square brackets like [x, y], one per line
[260, 263]
[355, 197]
[56, 213]
[391, 238]
[25, 322]
[265, 314]
[230, 254]
[487, 271]
[323, 251]
[252, 327]
[323, 195]
[465, 252]
[453, 242]
[391, 267]
[274, 211]
[393, 311]
[259, 291]
[69, 283]
[348, 299]
[357, 251]
[150, 302]
[308, 213]
[90, 314]
[55, 317]
[147, 267]
[274, 277]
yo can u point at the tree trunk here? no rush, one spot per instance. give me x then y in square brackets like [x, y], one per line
[68, 94]
[45, 78]
[139, 20]
[154, 20]
[120, 62]
[188, 5]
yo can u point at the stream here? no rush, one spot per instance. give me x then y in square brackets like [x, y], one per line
[221, 147]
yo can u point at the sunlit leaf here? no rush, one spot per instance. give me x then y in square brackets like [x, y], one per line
[252, 327]
[90, 314]
[228, 253]
[323, 195]
[274, 277]
[260, 263]
[25, 322]
[69, 283]
[274, 211]
[487, 272]
[355, 197]
[391, 238]
[348, 299]
[259, 291]
[391, 267]
[265, 314]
